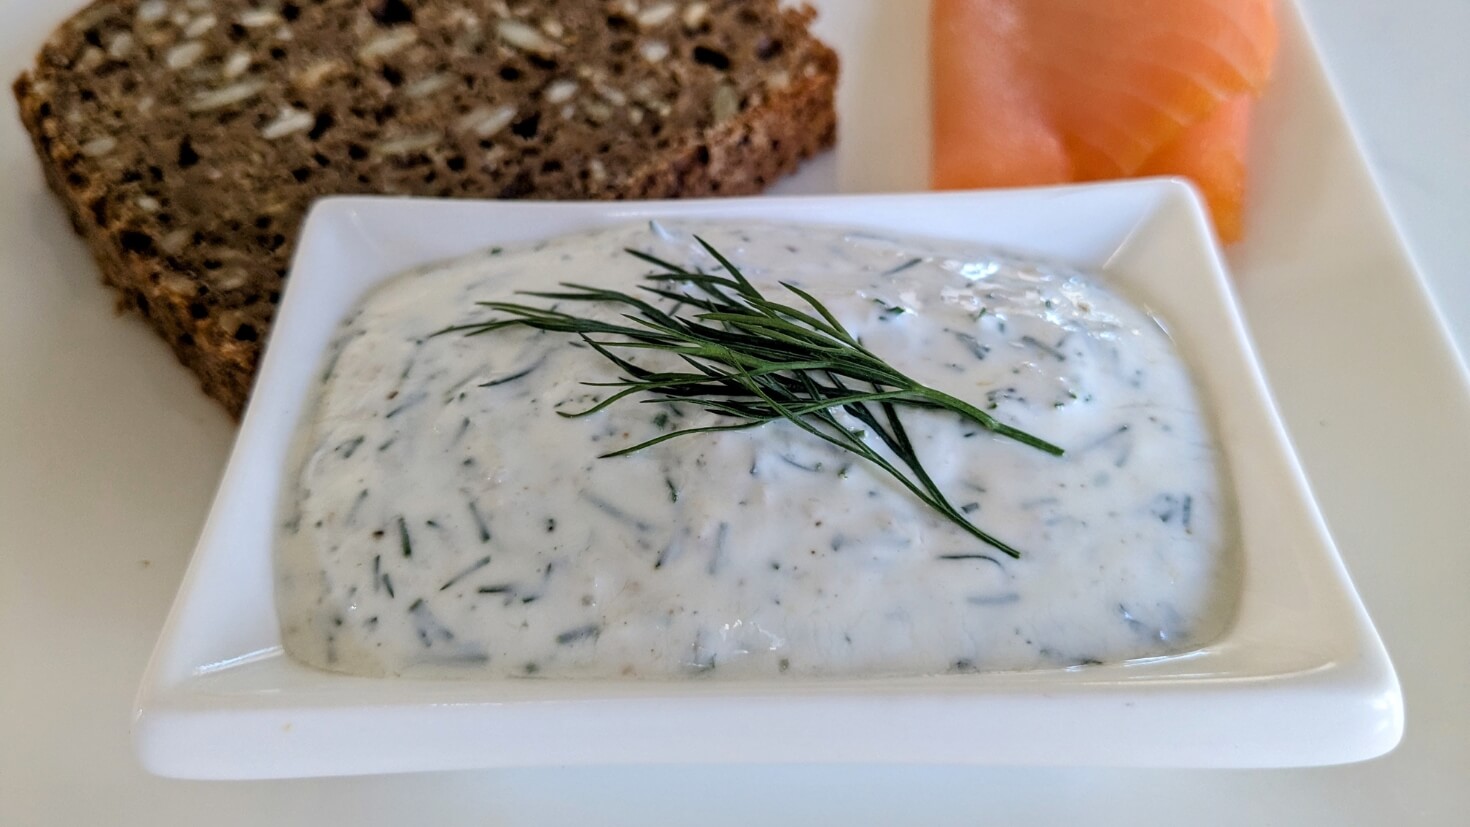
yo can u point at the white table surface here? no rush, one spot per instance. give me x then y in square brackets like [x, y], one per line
[1402, 71]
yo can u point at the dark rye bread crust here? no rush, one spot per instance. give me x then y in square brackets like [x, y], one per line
[189, 137]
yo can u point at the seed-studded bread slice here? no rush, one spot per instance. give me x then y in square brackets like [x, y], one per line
[189, 137]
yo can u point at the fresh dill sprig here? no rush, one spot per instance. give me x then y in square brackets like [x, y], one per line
[755, 360]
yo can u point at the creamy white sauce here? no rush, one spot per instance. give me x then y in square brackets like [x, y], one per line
[440, 519]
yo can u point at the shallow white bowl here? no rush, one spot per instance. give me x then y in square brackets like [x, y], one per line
[1300, 678]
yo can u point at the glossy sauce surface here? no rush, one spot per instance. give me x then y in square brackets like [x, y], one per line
[441, 520]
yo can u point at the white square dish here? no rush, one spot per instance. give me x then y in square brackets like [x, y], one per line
[1300, 678]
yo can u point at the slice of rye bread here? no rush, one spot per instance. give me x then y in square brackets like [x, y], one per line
[189, 137]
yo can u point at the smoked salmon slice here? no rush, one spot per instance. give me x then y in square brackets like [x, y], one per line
[1033, 92]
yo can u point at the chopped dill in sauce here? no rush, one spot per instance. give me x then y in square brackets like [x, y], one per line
[446, 521]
